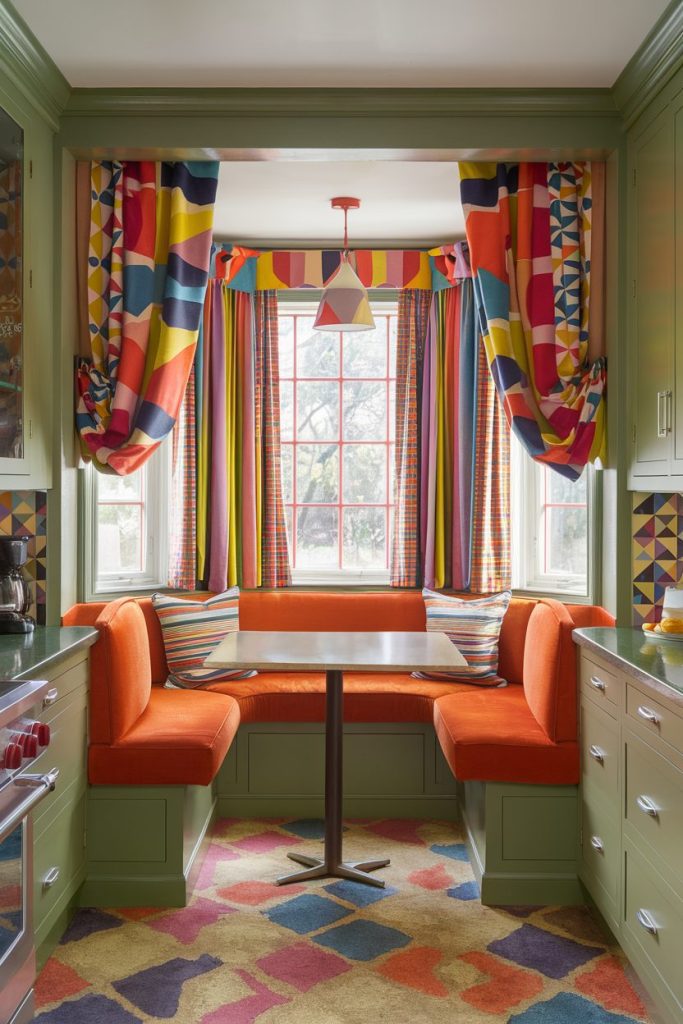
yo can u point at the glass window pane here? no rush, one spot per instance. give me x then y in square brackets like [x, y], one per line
[365, 410]
[120, 488]
[286, 461]
[119, 539]
[365, 469]
[317, 352]
[285, 330]
[392, 410]
[286, 410]
[566, 540]
[317, 410]
[317, 538]
[365, 354]
[563, 491]
[317, 472]
[364, 538]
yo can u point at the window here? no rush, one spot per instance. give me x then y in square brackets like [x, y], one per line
[337, 431]
[128, 529]
[550, 527]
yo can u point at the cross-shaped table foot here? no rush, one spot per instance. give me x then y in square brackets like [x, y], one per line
[356, 871]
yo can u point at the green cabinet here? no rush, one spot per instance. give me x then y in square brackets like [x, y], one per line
[655, 226]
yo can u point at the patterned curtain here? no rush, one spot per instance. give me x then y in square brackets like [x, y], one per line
[464, 486]
[413, 314]
[274, 552]
[532, 229]
[148, 260]
[182, 568]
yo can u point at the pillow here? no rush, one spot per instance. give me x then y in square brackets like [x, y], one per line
[474, 628]
[191, 631]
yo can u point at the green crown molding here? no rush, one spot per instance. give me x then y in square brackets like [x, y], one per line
[658, 57]
[29, 67]
[360, 103]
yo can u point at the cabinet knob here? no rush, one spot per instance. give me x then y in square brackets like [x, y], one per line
[597, 844]
[648, 714]
[647, 806]
[596, 753]
[598, 683]
[645, 921]
[50, 878]
[50, 697]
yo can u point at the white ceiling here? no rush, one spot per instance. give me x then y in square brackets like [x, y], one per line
[345, 43]
[401, 203]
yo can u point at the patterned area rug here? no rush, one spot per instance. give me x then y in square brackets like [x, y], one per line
[335, 952]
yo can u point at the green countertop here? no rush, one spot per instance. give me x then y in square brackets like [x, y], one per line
[24, 655]
[657, 663]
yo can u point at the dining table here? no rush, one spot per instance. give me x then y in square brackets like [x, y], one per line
[335, 653]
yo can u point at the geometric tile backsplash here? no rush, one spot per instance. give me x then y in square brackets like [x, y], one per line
[24, 514]
[657, 548]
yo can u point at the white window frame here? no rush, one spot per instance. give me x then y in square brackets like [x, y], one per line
[154, 575]
[528, 576]
[295, 302]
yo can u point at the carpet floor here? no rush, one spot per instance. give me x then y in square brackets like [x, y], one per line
[334, 952]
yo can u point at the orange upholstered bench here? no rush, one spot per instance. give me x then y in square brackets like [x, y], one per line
[525, 733]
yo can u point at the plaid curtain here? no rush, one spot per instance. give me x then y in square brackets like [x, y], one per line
[182, 567]
[273, 551]
[413, 314]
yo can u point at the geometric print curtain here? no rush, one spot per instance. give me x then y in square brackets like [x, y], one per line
[149, 231]
[536, 244]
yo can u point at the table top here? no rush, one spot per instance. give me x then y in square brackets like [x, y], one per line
[355, 652]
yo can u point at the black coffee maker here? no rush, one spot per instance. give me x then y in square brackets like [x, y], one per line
[15, 595]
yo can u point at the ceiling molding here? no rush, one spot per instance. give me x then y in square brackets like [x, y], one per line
[341, 103]
[658, 57]
[30, 68]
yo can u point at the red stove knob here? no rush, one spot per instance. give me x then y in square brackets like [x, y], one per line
[31, 746]
[42, 733]
[13, 756]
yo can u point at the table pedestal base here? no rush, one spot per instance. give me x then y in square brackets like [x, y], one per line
[332, 864]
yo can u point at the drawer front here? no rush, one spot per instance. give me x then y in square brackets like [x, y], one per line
[600, 853]
[659, 721]
[599, 683]
[61, 686]
[654, 800]
[67, 751]
[58, 857]
[653, 917]
[599, 750]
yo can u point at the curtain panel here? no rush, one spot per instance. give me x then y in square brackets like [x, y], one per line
[536, 242]
[149, 244]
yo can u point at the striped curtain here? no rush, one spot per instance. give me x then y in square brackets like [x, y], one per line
[148, 258]
[464, 485]
[182, 567]
[273, 552]
[413, 313]
[536, 241]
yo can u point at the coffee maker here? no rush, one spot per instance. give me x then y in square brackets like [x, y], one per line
[15, 596]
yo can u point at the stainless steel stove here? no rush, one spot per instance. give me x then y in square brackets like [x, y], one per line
[22, 740]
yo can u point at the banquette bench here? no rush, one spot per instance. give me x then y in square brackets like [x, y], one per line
[512, 751]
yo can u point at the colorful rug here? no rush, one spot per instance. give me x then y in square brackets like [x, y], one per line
[334, 952]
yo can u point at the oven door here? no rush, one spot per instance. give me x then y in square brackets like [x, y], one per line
[17, 955]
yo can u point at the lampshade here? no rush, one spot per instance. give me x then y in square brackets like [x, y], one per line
[344, 305]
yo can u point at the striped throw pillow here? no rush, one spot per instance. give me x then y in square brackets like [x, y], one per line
[474, 627]
[192, 630]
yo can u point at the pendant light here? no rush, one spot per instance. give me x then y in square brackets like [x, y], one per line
[344, 305]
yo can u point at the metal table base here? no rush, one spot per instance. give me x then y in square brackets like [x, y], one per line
[332, 864]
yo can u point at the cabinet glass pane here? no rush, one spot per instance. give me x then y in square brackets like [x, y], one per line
[11, 312]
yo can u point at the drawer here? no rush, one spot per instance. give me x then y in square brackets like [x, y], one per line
[599, 750]
[600, 855]
[599, 683]
[659, 721]
[653, 919]
[58, 857]
[62, 685]
[67, 751]
[654, 800]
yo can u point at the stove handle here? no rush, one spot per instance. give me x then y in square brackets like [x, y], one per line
[39, 786]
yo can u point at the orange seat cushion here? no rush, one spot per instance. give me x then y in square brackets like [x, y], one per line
[368, 696]
[492, 736]
[180, 738]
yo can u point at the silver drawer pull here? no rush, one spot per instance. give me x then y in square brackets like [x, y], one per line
[645, 921]
[647, 807]
[50, 878]
[596, 753]
[648, 714]
[597, 844]
[50, 697]
[598, 683]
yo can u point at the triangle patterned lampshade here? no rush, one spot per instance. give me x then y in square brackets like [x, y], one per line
[344, 305]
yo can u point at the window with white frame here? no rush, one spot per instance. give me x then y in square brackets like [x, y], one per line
[551, 521]
[337, 393]
[128, 530]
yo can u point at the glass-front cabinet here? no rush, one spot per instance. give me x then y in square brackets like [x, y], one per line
[12, 413]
